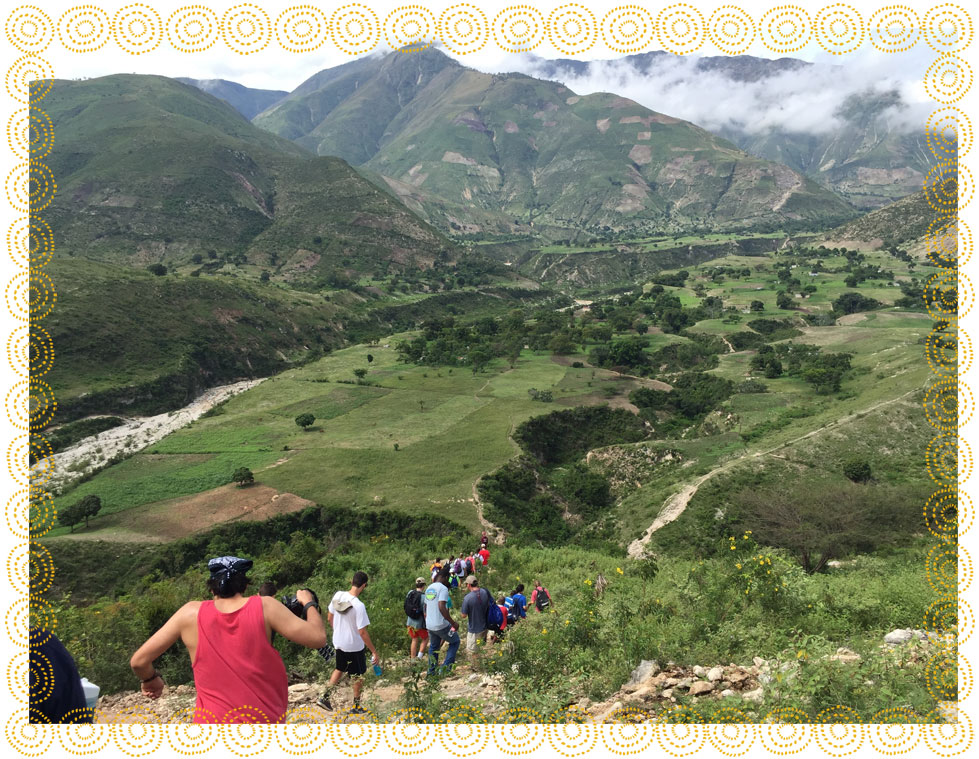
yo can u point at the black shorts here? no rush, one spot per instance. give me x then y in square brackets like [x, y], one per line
[353, 663]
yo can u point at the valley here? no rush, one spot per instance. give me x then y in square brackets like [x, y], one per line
[352, 326]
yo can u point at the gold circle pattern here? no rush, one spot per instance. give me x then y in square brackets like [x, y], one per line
[785, 29]
[84, 29]
[894, 29]
[731, 29]
[137, 29]
[29, 29]
[839, 28]
[518, 28]
[628, 29]
[410, 28]
[948, 28]
[246, 29]
[193, 29]
[30, 133]
[355, 28]
[30, 242]
[572, 29]
[681, 28]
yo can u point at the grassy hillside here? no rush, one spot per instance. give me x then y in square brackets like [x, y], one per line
[154, 171]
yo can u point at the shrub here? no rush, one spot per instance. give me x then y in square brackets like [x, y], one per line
[243, 476]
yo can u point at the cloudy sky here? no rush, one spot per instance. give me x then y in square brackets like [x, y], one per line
[803, 99]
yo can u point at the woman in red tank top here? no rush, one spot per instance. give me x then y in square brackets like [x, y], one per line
[239, 676]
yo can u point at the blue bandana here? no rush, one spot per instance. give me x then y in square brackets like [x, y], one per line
[224, 567]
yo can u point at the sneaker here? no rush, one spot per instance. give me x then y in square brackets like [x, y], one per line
[357, 709]
[324, 703]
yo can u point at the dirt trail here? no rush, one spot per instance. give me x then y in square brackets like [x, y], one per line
[730, 347]
[674, 506]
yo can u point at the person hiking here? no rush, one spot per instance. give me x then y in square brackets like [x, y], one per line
[509, 609]
[498, 633]
[519, 602]
[459, 569]
[348, 616]
[415, 612]
[436, 568]
[540, 597]
[238, 675]
[484, 555]
[453, 579]
[440, 625]
[475, 607]
[483, 540]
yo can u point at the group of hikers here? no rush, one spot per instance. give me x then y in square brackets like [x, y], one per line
[240, 677]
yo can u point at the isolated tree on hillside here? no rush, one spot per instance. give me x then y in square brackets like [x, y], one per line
[757, 305]
[305, 420]
[370, 358]
[243, 476]
[70, 516]
[88, 507]
[784, 300]
[360, 373]
[157, 269]
[857, 470]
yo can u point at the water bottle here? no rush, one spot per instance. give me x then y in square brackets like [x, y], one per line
[377, 670]
[91, 691]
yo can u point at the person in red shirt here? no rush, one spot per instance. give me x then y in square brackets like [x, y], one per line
[498, 635]
[484, 555]
[238, 675]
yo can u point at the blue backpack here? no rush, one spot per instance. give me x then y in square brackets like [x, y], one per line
[494, 616]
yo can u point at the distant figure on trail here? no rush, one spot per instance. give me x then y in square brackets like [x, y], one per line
[540, 597]
[348, 616]
[415, 611]
[459, 570]
[453, 580]
[436, 568]
[238, 675]
[441, 627]
[475, 607]
[519, 602]
[483, 540]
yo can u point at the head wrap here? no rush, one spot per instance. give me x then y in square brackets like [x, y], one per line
[224, 568]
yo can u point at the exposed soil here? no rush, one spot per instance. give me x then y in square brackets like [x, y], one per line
[176, 518]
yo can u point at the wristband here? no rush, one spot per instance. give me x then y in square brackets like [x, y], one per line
[312, 604]
[155, 675]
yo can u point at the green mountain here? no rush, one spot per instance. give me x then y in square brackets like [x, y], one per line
[154, 171]
[479, 153]
[863, 152]
[905, 221]
[248, 101]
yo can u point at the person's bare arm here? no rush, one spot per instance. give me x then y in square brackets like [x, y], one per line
[309, 632]
[366, 637]
[444, 609]
[158, 643]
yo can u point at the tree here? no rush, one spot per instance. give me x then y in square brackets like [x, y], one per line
[784, 300]
[265, 277]
[828, 522]
[305, 420]
[88, 507]
[757, 305]
[857, 470]
[197, 258]
[370, 358]
[157, 269]
[851, 303]
[70, 516]
[243, 476]
[360, 373]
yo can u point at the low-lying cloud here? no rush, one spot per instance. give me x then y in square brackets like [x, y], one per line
[806, 100]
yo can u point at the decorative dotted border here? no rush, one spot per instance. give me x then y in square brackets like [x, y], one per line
[573, 28]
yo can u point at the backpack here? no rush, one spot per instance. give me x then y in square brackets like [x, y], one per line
[413, 605]
[494, 616]
[469, 566]
[458, 568]
[543, 599]
[511, 612]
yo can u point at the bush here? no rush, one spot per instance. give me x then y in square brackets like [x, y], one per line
[243, 476]
[857, 470]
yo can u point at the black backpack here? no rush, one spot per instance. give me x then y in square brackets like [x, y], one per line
[494, 615]
[543, 599]
[413, 605]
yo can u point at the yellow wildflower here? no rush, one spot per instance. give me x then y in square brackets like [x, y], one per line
[619, 570]
[544, 631]
[732, 548]
[738, 566]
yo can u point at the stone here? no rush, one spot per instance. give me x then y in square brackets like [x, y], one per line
[737, 676]
[715, 674]
[755, 696]
[699, 671]
[897, 637]
[472, 678]
[727, 693]
[724, 684]
[685, 682]
[700, 687]
[845, 655]
[640, 674]
[759, 662]
[585, 703]
[668, 693]
[671, 682]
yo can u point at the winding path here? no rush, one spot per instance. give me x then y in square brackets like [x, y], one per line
[674, 506]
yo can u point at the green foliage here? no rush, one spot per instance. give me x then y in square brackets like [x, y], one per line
[243, 476]
[305, 420]
[852, 303]
[857, 470]
[563, 436]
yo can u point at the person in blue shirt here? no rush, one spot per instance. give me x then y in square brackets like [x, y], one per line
[441, 627]
[519, 603]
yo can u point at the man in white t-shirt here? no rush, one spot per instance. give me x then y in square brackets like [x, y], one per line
[348, 616]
